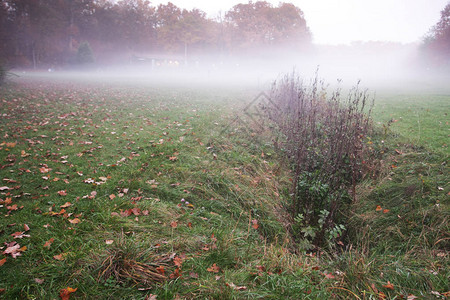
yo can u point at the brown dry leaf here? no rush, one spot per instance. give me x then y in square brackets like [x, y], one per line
[19, 235]
[136, 211]
[177, 261]
[193, 275]
[112, 196]
[2, 261]
[385, 211]
[255, 224]
[174, 224]
[109, 242]
[65, 205]
[26, 227]
[389, 285]
[75, 221]
[235, 287]
[175, 274]
[62, 193]
[49, 242]
[65, 293]
[44, 170]
[329, 275]
[151, 297]
[60, 257]
[214, 268]
[39, 281]
[379, 208]
[14, 249]
[161, 270]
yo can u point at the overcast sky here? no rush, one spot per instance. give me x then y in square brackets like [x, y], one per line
[344, 21]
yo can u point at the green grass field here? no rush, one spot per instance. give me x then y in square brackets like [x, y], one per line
[127, 191]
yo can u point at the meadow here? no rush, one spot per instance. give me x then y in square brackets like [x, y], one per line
[116, 190]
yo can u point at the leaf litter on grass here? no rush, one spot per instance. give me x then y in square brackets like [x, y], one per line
[107, 145]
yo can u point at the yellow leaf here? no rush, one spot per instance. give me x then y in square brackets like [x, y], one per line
[65, 293]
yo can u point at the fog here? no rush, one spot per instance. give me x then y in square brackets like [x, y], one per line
[386, 67]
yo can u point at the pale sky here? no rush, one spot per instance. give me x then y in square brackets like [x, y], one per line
[344, 21]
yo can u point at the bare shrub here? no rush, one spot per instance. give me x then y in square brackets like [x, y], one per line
[324, 137]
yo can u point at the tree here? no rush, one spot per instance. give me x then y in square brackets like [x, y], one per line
[436, 45]
[85, 54]
[259, 25]
[168, 27]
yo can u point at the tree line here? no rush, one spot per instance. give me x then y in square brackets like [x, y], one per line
[436, 45]
[36, 33]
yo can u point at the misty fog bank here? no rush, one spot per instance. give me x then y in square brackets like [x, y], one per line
[384, 67]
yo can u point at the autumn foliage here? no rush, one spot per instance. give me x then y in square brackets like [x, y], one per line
[55, 33]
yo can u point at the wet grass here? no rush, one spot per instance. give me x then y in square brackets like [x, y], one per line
[147, 180]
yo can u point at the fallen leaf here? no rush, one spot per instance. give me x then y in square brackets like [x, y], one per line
[75, 221]
[214, 268]
[60, 257]
[255, 224]
[161, 270]
[13, 249]
[237, 288]
[65, 205]
[4, 188]
[2, 261]
[329, 276]
[389, 285]
[177, 261]
[109, 242]
[175, 274]
[62, 193]
[25, 227]
[65, 293]
[19, 235]
[151, 297]
[385, 211]
[379, 208]
[49, 242]
[174, 224]
[193, 275]
[39, 281]
[136, 211]
[112, 196]
[44, 170]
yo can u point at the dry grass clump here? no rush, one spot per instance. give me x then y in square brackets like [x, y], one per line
[125, 263]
